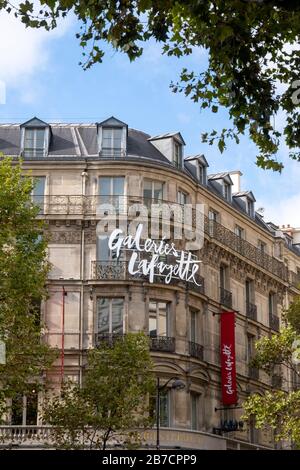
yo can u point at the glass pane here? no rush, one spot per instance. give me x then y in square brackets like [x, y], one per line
[117, 143]
[102, 248]
[118, 186]
[158, 190]
[106, 137]
[162, 319]
[193, 327]
[117, 316]
[39, 191]
[40, 137]
[31, 409]
[103, 315]
[29, 138]
[152, 319]
[17, 411]
[104, 185]
[194, 411]
[164, 409]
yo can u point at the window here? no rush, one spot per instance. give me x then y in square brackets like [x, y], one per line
[177, 158]
[153, 191]
[227, 191]
[38, 192]
[182, 197]
[24, 410]
[158, 319]
[272, 304]
[34, 142]
[223, 276]
[250, 347]
[195, 408]
[111, 191]
[250, 208]
[239, 231]
[213, 217]
[262, 246]
[249, 288]
[202, 173]
[104, 254]
[110, 315]
[164, 407]
[194, 326]
[111, 141]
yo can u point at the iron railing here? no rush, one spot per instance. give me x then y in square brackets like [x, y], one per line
[116, 270]
[89, 205]
[251, 311]
[225, 297]
[196, 350]
[162, 343]
[107, 338]
[274, 322]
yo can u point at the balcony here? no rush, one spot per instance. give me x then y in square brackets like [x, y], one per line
[78, 205]
[196, 350]
[116, 270]
[162, 343]
[251, 311]
[274, 322]
[225, 297]
[254, 373]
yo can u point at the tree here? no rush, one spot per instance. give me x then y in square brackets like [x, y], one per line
[253, 58]
[23, 274]
[113, 402]
[278, 409]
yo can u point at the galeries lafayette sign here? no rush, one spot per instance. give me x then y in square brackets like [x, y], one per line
[185, 266]
[228, 360]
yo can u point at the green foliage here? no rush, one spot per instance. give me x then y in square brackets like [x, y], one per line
[279, 410]
[293, 315]
[113, 400]
[23, 274]
[250, 46]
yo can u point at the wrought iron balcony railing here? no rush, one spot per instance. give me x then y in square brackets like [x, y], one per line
[196, 350]
[251, 311]
[274, 322]
[88, 206]
[107, 338]
[116, 270]
[162, 343]
[253, 373]
[225, 297]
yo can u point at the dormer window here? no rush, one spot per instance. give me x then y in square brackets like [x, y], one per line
[112, 138]
[250, 208]
[35, 136]
[227, 191]
[177, 157]
[34, 143]
[202, 174]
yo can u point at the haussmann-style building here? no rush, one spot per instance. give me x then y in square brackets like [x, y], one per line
[249, 266]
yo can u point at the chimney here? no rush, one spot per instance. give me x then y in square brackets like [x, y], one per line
[236, 179]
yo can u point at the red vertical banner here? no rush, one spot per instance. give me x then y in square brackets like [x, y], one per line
[228, 366]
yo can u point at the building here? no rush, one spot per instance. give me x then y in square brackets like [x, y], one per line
[249, 266]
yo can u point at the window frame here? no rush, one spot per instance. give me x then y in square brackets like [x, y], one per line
[34, 151]
[110, 315]
[168, 323]
[112, 149]
[177, 154]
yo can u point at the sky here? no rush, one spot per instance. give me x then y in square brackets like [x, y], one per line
[41, 75]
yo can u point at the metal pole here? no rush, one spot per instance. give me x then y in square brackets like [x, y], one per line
[157, 413]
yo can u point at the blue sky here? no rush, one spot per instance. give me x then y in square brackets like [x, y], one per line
[43, 78]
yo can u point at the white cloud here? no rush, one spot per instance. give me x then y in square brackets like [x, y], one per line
[24, 51]
[284, 212]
